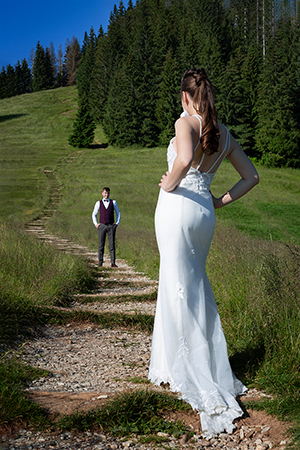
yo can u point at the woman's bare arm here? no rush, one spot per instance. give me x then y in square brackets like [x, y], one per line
[249, 176]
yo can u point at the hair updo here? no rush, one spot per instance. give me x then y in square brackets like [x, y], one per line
[196, 83]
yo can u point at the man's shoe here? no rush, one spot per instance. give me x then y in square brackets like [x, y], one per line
[114, 265]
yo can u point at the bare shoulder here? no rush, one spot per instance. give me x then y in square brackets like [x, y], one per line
[184, 125]
[183, 122]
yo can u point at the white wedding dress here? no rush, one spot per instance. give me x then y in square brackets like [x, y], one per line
[189, 349]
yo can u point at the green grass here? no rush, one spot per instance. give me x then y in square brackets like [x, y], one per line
[151, 297]
[37, 272]
[33, 130]
[271, 211]
[16, 409]
[137, 321]
[257, 292]
[253, 264]
[138, 380]
[139, 412]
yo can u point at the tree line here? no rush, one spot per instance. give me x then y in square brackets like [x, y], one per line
[128, 78]
[43, 70]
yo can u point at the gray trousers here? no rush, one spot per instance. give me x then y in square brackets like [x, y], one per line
[110, 230]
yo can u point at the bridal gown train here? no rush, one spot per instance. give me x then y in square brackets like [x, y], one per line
[188, 348]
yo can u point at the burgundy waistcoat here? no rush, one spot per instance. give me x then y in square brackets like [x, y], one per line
[106, 215]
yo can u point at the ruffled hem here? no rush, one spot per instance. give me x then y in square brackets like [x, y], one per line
[216, 414]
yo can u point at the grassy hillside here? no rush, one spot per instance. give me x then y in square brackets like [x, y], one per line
[33, 132]
[253, 264]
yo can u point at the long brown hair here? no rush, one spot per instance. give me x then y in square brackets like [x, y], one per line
[196, 83]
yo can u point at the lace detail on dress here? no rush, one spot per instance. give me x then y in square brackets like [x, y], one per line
[200, 180]
[183, 349]
[180, 291]
[216, 413]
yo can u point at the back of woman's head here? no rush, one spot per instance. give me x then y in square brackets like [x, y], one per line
[196, 83]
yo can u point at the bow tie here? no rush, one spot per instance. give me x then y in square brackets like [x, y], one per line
[106, 200]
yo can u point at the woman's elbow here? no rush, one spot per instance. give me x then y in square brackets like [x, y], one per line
[255, 179]
[252, 179]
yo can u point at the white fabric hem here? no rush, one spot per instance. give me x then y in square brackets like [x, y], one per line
[214, 420]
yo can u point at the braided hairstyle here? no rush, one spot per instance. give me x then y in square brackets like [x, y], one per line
[196, 83]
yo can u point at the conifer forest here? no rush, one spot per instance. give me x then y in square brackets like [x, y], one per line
[128, 78]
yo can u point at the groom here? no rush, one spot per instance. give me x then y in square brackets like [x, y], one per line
[106, 224]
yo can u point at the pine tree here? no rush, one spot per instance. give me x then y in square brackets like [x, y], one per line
[100, 79]
[121, 121]
[168, 106]
[236, 101]
[3, 83]
[39, 69]
[26, 77]
[11, 84]
[72, 60]
[250, 70]
[145, 74]
[31, 59]
[19, 79]
[49, 73]
[53, 59]
[61, 70]
[278, 134]
[229, 99]
[86, 67]
[84, 125]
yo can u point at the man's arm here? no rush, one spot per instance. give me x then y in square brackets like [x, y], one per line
[117, 210]
[95, 212]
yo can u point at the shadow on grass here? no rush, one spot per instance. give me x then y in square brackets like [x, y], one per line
[17, 320]
[96, 146]
[10, 117]
[246, 363]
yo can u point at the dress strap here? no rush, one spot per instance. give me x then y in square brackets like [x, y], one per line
[223, 153]
[198, 167]
[200, 134]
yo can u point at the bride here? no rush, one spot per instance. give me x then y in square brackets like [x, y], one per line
[189, 349]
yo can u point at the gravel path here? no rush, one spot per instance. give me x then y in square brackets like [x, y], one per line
[88, 358]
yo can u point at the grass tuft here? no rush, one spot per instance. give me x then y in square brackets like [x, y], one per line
[16, 408]
[138, 412]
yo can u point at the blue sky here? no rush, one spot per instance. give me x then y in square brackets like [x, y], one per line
[25, 22]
